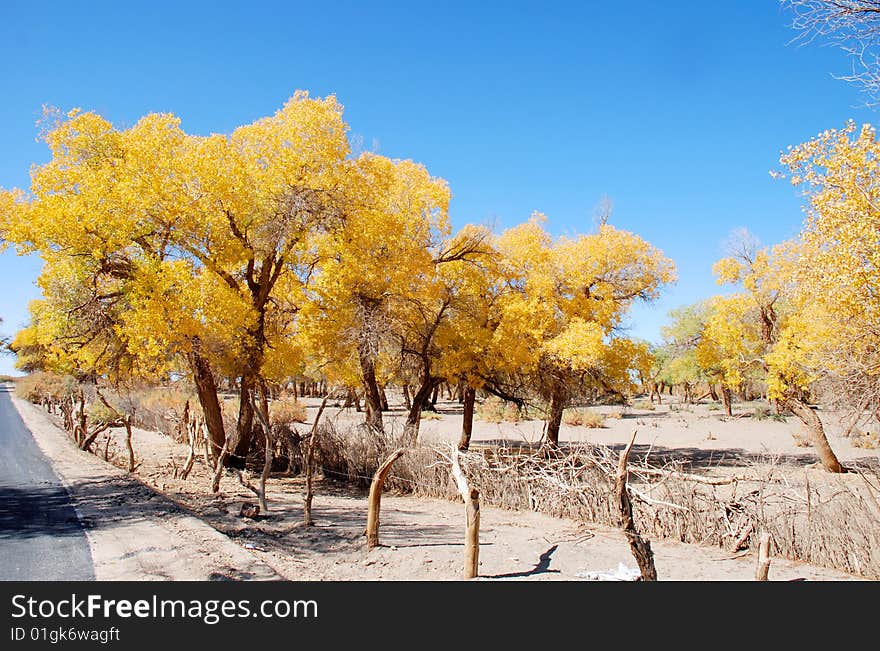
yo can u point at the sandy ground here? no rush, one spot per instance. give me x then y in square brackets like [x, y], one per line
[700, 432]
[421, 539]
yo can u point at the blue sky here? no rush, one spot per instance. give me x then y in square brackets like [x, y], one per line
[675, 110]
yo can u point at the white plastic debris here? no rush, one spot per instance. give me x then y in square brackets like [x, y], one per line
[623, 573]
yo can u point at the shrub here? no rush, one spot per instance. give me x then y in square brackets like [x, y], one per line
[495, 410]
[100, 414]
[867, 440]
[643, 404]
[430, 415]
[285, 411]
[583, 418]
[762, 412]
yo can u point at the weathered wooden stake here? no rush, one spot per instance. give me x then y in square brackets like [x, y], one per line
[372, 531]
[126, 420]
[218, 469]
[471, 497]
[640, 547]
[309, 456]
[763, 558]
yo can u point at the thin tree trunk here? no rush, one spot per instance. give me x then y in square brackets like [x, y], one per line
[268, 456]
[407, 399]
[241, 443]
[131, 461]
[725, 398]
[467, 420]
[383, 399]
[206, 389]
[817, 434]
[191, 431]
[554, 419]
[372, 397]
[414, 416]
[309, 463]
[712, 392]
[219, 467]
[640, 547]
[375, 500]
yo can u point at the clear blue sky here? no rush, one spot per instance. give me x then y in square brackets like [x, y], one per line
[676, 110]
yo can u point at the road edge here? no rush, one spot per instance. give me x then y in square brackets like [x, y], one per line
[181, 546]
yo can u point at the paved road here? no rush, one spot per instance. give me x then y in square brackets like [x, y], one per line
[41, 538]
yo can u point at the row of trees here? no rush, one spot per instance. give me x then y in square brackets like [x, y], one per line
[805, 314]
[274, 252]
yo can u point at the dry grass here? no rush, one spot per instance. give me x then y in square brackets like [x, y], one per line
[495, 410]
[646, 405]
[287, 410]
[583, 418]
[867, 441]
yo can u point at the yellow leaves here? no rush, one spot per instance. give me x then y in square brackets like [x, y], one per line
[579, 346]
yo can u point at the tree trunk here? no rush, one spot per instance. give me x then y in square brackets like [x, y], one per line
[725, 398]
[372, 396]
[383, 399]
[817, 434]
[407, 399]
[309, 466]
[640, 547]
[434, 395]
[554, 419]
[712, 392]
[467, 421]
[206, 389]
[218, 468]
[414, 417]
[131, 462]
[241, 444]
[375, 500]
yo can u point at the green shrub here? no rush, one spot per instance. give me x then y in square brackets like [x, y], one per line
[643, 404]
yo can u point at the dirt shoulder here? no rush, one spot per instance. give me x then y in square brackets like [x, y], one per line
[138, 532]
[134, 532]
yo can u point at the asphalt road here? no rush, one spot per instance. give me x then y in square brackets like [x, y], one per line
[41, 538]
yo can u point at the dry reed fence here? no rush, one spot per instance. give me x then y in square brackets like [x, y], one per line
[833, 521]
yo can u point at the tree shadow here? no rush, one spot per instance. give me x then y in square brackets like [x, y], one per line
[541, 567]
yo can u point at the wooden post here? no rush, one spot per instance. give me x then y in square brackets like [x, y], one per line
[640, 548]
[127, 422]
[218, 469]
[372, 532]
[763, 558]
[261, 411]
[471, 497]
[268, 454]
[191, 429]
[309, 456]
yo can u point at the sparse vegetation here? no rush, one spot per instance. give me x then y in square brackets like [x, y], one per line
[866, 440]
[582, 417]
